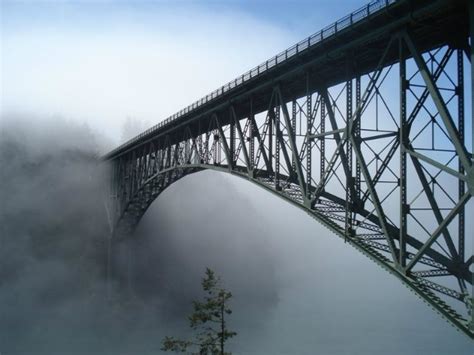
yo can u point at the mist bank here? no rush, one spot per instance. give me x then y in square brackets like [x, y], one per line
[54, 233]
[298, 289]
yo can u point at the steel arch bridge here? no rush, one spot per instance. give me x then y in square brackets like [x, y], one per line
[366, 125]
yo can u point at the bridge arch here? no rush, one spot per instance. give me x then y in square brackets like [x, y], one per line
[152, 189]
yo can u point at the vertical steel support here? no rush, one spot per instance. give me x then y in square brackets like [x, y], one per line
[159, 156]
[137, 166]
[225, 144]
[199, 138]
[471, 35]
[165, 153]
[349, 180]
[323, 140]
[403, 137]
[252, 136]
[119, 187]
[176, 152]
[309, 126]
[125, 181]
[215, 146]
[112, 188]
[143, 166]
[138, 170]
[299, 170]
[461, 188]
[241, 138]
[270, 137]
[277, 145]
[356, 130]
[283, 109]
[147, 155]
[293, 127]
[132, 175]
[232, 142]
[206, 148]
[186, 150]
[169, 155]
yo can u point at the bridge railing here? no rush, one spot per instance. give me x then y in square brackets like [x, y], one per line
[327, 32]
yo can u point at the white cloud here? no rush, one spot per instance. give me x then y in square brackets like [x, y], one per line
[140, 70]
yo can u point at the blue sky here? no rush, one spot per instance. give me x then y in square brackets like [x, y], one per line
[100, 62]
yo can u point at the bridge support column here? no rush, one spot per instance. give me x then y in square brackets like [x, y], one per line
[349, 180]
[277, 145]
[252, 129]
[270, 140]
[309, 128]
[322, 141]
[356, 133]
[233, 160]
[293, 130]
[403, 135]
[471, 35]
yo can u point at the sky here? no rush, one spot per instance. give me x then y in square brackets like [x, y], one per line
[103, 62]
[117, 67]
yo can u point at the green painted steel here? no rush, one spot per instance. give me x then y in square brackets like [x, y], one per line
[393, 174]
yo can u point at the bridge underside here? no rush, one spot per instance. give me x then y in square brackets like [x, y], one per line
[367, 132]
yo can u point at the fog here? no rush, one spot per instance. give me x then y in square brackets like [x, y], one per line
[103, 62]
[298, 289]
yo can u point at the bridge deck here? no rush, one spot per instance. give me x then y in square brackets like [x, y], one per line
[361, 36]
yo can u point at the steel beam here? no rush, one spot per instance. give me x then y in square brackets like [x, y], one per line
[403, 138]
[242, 139]
[442, 226]
[224, 143]
[309, 129]
[294, 150]
[439, 102]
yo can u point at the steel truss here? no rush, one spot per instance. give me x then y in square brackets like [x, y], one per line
[379, 158]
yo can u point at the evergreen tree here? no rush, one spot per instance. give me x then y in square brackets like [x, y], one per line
[208, 321]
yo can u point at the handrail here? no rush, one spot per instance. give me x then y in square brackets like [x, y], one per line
[296, 49]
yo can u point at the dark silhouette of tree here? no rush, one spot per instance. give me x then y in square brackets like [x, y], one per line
[208, 321]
